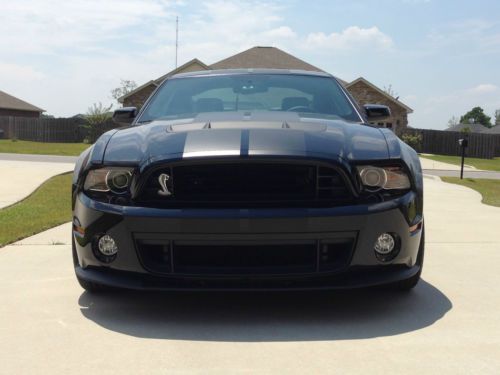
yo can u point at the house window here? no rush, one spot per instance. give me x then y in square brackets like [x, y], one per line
[388, 125]
[380, 124]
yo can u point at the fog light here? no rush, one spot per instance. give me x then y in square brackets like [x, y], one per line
[385, 244]
[107, 245]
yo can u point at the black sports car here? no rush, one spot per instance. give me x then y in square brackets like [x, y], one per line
[248, 180]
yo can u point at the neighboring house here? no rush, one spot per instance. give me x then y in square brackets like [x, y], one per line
[12, 106]
[494, 130]
[274, 58]
[472, 128]
[366, 92]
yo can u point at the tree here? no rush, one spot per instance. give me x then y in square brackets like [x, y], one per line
[414, 140]
[126, 86]
[389, 90]
[478, 116]
[465, 130]
[96, 115]
[497, 117]
[453, 121]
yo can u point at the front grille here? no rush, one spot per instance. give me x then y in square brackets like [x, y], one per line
[247, 184]
[244, 257]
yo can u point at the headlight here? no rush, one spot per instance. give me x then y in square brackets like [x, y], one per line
[115, 180]
[387, 178]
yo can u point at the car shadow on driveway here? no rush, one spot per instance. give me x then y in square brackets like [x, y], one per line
[254, 317]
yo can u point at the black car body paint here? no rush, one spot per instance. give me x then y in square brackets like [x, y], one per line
[321, 238]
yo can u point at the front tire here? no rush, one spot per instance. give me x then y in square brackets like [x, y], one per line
[410, 283]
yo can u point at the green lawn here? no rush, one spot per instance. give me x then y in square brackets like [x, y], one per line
[47, 207]
[486, 164]
[41, 148]
[489, 189]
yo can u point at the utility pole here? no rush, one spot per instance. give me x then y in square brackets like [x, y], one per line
[176, 39]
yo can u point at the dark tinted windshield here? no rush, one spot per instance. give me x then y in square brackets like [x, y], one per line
[308, 95]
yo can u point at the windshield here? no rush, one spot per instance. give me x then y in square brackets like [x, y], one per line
[310, 96]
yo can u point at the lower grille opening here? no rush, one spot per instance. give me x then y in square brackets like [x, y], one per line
[156, 257]
[334, 255]
[244, 257]
[192, 258]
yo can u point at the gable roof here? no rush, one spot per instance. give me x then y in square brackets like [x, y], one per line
[263, 57]
[493, 130]
[474, 128]
[137, 89]
[156, 82]
[390, 97]
[181, 68]
[11, 102]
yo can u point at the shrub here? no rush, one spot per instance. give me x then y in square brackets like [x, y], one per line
[412, 140]
[96, 116]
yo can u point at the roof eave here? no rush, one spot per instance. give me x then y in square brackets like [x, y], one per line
[390, 97]
[122, 98]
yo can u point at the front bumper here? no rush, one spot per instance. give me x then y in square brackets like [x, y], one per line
[361, 223]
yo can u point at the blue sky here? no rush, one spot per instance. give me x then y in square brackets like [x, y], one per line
[441, 57]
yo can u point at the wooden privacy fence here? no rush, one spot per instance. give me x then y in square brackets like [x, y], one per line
[485, 146]
[50, 129]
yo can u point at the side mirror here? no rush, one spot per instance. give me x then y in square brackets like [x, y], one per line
[376, 112]
[124, 116]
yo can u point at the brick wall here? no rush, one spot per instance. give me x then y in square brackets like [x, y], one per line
[365, 94]
[137, 99]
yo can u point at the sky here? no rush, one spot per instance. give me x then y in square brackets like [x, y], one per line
[441, 57]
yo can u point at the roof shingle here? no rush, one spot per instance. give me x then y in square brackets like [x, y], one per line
[11, 102]
[263, 57]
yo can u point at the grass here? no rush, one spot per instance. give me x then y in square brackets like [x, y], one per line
[486, 164]
[489, 189]
[47, 207]
[41, 148]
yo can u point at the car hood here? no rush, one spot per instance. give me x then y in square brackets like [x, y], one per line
[219, 135]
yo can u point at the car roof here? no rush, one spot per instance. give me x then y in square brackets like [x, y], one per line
[250, 71]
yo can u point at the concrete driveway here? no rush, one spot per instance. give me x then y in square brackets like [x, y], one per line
[449, 324]
[21, 178]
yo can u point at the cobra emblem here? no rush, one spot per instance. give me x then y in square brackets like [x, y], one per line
[163, 179]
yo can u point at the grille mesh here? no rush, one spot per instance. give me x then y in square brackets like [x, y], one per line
[247, 185]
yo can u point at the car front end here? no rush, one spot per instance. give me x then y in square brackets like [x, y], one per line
[243, 203]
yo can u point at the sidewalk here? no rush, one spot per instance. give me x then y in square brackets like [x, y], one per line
[429, 164]
[21, 178]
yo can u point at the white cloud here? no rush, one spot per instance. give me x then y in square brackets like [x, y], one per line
[72, 53]
[351, 38]
[281, 32]
[33, 26]
[466, 37]
[18, 73]
[484, 88]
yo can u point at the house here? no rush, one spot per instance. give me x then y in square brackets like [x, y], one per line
[493, 130]
[366, 92]
[12, 106]
[274, 58]
[469, 128]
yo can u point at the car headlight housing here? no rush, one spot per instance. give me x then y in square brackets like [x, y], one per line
[376, 178]
[109, 180]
